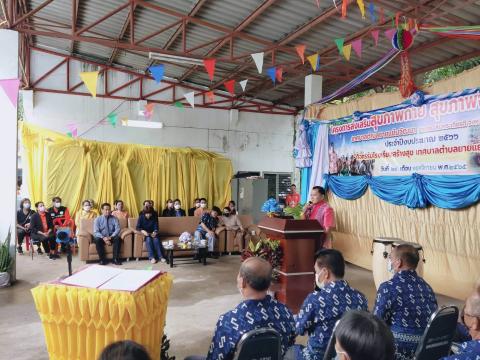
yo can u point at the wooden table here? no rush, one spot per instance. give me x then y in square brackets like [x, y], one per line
[171, 254]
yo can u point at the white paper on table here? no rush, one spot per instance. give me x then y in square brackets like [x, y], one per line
[129, 280]
[92, 277]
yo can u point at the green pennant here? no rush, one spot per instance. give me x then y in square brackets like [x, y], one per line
[69, 134]
[339, 43]
[112, 119]
[179, 105]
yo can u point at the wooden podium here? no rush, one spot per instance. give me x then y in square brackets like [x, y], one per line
[299, 239]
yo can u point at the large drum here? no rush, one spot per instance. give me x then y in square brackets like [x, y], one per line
[381, 249]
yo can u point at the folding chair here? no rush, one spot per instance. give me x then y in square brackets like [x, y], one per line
[263, 343]
[330, 352]
[438, 336]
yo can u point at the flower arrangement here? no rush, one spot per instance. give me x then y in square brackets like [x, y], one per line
[295, 211]
[267, 249]
[270, 206]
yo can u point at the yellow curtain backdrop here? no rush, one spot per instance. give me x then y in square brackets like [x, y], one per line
[77, 169]
[449, 238]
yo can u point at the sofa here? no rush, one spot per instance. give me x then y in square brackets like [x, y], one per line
[88, 251]
[233, 241]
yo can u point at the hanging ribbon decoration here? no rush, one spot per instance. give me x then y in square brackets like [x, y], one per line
[461, 32]
[401, 41]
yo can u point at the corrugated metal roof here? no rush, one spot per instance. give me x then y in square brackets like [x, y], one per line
[276, 23]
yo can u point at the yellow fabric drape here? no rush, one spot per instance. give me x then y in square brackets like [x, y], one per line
[77, 169]
[79, 323]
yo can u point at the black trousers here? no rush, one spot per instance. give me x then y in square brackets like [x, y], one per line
[21, 236]
[48, 242]
[100, 245]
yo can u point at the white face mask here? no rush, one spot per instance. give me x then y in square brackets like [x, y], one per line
[26, 205]
[87, 208]
[41, 208]
[197, 205]
[177, 206]
[390, 268]
[203, 205]
[58, 204]
[320, 285]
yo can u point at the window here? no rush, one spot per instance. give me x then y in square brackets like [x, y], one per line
[278, 184]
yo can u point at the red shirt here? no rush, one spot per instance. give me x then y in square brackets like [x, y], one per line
[293, 198]
[43, 217]
[323, 213]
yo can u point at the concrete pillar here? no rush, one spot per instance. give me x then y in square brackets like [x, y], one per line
[313, 88]
[8, 139]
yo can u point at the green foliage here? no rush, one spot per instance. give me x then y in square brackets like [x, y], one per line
[5, 258]
[267, 249]
[450, 70]
[164, 349]
[296, 211]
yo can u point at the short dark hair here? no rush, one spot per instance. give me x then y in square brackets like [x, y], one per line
[146, 202]
[332, 260]
[37, 204]
[217, 210]
[177, 200]
[124, 350]
[364, 336]
[85, 201]
[55, 198]
[408, 254]
[293, 185]
[257, 280]
[195, 200]
[169, 200]
[23, 200]
[105, 204]
[320, 189]
[117, 201]
[231, 202]
[203, 199]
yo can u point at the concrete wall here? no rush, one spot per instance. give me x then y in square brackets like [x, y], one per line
[254, 142]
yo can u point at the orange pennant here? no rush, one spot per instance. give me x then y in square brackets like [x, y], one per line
[210, 96]
[344, 8]
[301, 52]
[279, 74]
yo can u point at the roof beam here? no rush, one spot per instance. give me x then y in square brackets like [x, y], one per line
[103, 18]
[129, 22]
[30, 13]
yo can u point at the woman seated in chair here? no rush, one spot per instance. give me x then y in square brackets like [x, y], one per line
[147, 224]
[119, 212]
[177, 205]
[85, 213]
[232, 223]
[169, 211]
[24, 215]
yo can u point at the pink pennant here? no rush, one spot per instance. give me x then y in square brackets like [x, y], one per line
[318, 3]
[11, 86]
[375, 35]
[279, 74]
[230, 86]
[390, 33]
[357, 47]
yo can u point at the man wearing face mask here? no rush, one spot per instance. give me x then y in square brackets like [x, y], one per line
[202, 209]
[471, 319]
[41, 227]
[60, 216]
[177, 205]
[196, 205]
[405, 302]
[169, 211]
[257, 310]
[321, 309]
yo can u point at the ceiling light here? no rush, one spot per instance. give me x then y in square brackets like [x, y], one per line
[175, 59]
[143, 124]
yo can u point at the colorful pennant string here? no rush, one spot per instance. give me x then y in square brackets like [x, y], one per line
[90, 79]
[210, 67]
[272, 73]
[230, 86]
[10, 87]
[361, 6]
[157, 72]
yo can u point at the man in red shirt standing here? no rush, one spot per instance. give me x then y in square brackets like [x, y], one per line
[318, 209]
[293, 199]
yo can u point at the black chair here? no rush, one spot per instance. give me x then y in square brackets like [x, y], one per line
[438, 336]
[263, 343]
[330, 352]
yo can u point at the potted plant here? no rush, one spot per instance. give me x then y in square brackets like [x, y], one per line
[267, 249]
[5, 262]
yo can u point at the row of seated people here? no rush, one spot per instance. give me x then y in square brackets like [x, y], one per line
[401, 313]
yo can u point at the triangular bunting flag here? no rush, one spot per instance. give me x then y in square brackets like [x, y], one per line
[157, 72]
[90, 79]
[179, 105]
[279, 74]
[339, 43]
[347, 50]
[210, 66]
[72, 130]
[382, 15]
[190, 98]
[318, 4]
[397, 19]
[361, 6]
[149, 107]
[112, 119]
[390, 33]
[371, 10]
[210, 96]
[230, 86]
[10, 87]
[301, 52]
[314, 61]
[344, 8]
[258, 58]
[357, 47]
[272, 73]
[243, 84]
[124, 121]
[375, 35]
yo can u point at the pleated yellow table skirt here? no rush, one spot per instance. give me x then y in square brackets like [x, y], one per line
[79, 322]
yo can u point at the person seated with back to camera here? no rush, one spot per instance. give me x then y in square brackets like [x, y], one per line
[196, 205]
[323, 308]
[405, 302]
[24, 215]
[177, 205]
[42, 231]
[257, 310]
[202, 209]
[470, 350]
[106, 230]
[169, 210]
[233, 223]
[124, 350]
[120, 212]
[360, 335]
[206, 229]
[147, 224]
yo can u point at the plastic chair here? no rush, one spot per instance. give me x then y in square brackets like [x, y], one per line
[438, 336]
[263, 343]
[330, 352]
